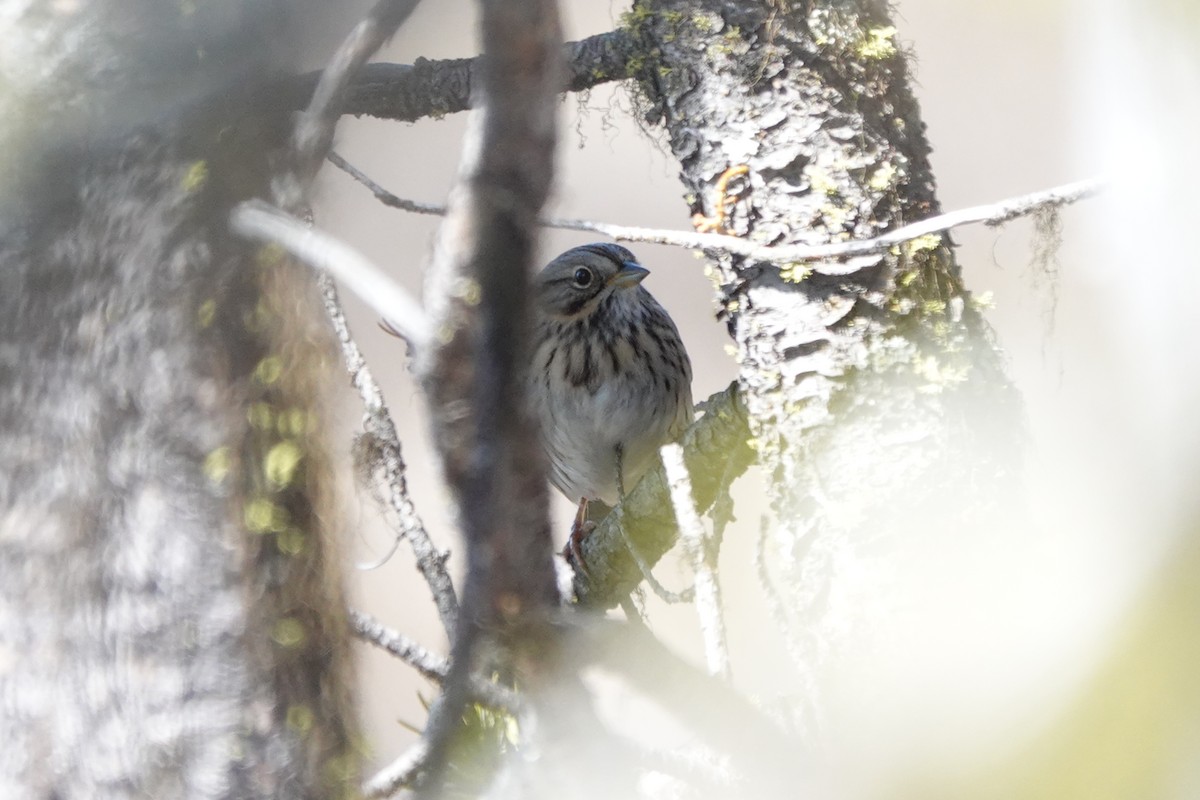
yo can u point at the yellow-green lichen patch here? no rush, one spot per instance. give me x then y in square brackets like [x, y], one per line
[796, 271]
[819, 180]
[195, 177]
[269, 370]
[291, 541]
[923, 244]
[263, 515]
[293, 422]
[217, 464]
[881, 179]
[281, 463]
[289, 632]
[206, 313]
[261, 416]
[468, 290]
[300, 718]
[878, 43]
[269, 255]
[938, 375]
[984, 301]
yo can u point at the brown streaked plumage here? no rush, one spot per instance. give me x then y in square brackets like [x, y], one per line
[610, 374]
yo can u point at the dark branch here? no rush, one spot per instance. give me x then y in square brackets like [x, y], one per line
[408, 92]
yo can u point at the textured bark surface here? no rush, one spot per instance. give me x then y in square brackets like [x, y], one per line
[171, 612]
[878, 405]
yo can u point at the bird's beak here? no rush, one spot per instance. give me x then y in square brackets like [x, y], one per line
[630, 274]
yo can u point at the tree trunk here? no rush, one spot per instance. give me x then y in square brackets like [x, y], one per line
[878, 405]
[171, 614]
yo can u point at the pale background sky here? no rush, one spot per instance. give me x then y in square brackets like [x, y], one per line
[1018, 96]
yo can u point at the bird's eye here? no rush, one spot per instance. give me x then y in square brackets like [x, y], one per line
[582, 278]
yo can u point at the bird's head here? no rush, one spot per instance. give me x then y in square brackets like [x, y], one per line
[576, 282]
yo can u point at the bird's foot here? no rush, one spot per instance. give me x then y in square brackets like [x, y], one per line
[580, 528]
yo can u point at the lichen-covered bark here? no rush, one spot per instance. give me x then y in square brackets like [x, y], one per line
[877, 402]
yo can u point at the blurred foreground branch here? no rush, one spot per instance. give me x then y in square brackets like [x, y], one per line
[473, 372]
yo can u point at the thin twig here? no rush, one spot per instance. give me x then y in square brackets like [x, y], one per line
[990, 214]
[695, 543]
[378, 424]
[255, 219]
[381, 194]
[369, 629]
[431, 665]
[400, 774]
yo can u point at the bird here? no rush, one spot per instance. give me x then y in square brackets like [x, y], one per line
[610, 379]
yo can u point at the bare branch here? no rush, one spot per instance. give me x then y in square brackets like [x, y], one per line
[383, 195]
[369, 629]
[384, 454]
[257, 220]
[400, 774]
[431, 665]
[990, 214]
[695, 542]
